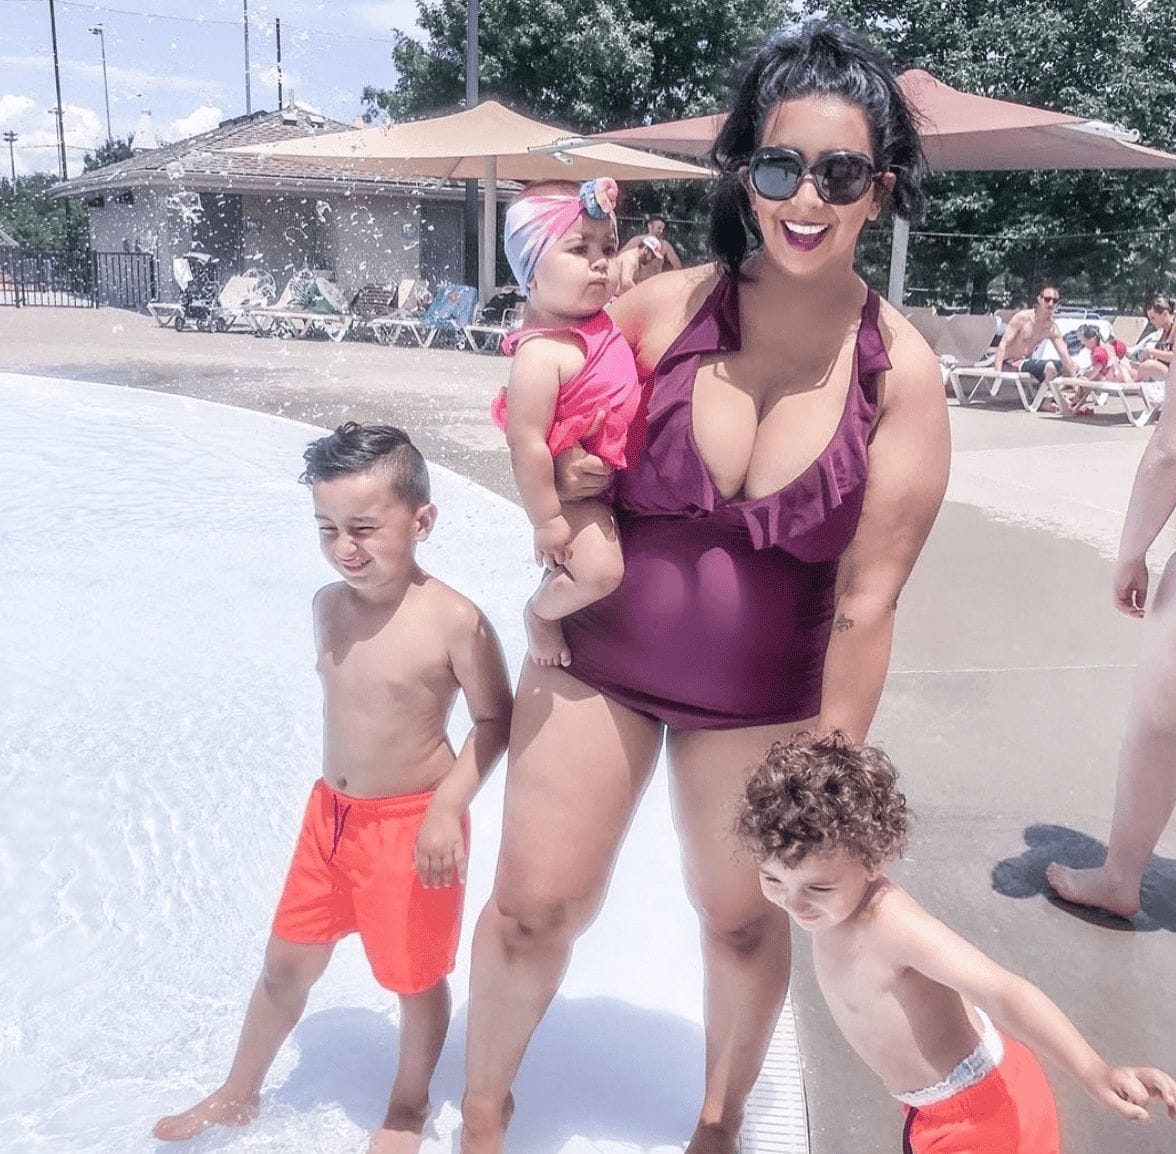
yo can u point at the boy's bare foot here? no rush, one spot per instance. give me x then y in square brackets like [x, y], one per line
[220, 1108]
[1093, 887]
[483, 1126]
[712, 1138]
[545, 640]
[402, 1130]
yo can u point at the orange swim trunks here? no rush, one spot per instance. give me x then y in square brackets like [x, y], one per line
[354, 871]
[1010, 1110]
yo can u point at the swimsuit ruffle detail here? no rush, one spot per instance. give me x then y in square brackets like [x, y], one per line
[813, 517]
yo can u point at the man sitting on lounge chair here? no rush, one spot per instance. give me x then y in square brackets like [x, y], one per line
[1026, 330]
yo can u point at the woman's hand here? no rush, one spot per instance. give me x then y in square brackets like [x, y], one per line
[1131, 578]
[579, 475]
[553, 540]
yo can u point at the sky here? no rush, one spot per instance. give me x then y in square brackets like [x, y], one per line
[184, 61]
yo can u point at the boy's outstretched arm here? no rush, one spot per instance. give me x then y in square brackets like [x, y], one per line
[480, 669]
[1018, 1007]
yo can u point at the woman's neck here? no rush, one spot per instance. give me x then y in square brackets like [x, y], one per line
[809, 300]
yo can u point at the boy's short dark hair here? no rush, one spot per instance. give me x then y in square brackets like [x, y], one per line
[813, 794]
[354, 448]
[1090, 333]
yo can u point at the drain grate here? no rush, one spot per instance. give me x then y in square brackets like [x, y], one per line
[777, 1119]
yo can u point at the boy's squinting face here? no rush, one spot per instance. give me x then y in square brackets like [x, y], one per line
[367, 533]
[821, 892]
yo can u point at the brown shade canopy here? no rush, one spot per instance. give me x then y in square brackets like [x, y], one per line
[959, 130]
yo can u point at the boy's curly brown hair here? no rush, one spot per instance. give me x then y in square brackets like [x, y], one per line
[812, 793]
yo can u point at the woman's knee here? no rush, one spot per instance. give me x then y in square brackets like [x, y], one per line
[743, 930]
[530, 919]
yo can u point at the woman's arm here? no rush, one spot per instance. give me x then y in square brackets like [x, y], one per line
[1153, 499]
[909, 460]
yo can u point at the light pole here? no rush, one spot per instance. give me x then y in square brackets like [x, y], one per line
[97, 30]
[471, 186]
[11, 137]
[57, 85]
[248, 98]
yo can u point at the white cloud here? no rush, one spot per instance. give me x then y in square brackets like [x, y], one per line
[381, 16]
[14, 107]
[120, 79]
[202, 119]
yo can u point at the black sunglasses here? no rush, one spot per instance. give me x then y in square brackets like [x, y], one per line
[840, 177]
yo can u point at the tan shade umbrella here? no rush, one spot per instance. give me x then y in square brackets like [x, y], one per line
[484, 143]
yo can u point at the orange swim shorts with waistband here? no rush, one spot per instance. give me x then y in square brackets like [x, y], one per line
[354, 871]
[1010, 1110]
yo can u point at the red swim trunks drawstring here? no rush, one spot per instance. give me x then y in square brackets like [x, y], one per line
[340, 821]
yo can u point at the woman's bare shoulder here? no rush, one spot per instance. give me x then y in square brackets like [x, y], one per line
[909, 354]
[655, 312]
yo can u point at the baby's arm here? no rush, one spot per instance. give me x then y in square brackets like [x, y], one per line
[921, 942]
[538, 370]
[479, 668]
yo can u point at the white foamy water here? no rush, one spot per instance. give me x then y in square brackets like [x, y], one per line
[160, 721]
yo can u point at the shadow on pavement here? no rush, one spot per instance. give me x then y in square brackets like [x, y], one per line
[1024, 877]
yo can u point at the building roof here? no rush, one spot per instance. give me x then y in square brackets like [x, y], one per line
[200, 164]
[6, 241]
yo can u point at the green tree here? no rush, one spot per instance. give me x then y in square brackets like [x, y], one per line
[1108, 60]
[33, 219]
[110, 152]
[595, 65]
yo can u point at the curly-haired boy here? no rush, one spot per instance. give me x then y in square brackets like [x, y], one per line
[823, 816]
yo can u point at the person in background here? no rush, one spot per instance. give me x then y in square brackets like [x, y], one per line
[1028, 329]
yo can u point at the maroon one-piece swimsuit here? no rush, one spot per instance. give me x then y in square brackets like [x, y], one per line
[726, 606]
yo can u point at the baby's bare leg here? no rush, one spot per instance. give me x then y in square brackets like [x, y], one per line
[594, 571]
[424, 1021]
[279, 997]
[1145, 793]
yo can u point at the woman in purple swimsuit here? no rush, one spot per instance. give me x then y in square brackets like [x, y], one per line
[793, 459]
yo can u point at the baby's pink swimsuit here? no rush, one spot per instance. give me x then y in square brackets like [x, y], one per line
[608, 382]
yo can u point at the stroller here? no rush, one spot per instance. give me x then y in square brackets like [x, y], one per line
[195, 273]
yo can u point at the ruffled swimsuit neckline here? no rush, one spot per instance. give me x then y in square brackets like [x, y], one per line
[818, 490]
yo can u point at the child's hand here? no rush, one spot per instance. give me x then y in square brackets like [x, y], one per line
[1128, 1089]
[553, 541]
[1131, 580]
[441, 848]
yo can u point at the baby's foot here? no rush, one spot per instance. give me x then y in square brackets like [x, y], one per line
[545, 640]
[220, 1108]
[1094, 888]
[402, 1131]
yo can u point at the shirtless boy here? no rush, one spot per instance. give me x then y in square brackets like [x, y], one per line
[382, 850]
[822, 817]
[1026, 330]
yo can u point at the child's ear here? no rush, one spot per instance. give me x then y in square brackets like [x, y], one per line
[426, 518]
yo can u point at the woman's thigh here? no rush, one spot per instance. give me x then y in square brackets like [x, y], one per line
[577, 766]
[708, 773]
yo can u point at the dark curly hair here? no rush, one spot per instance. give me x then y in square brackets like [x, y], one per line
[817, 59]
[820, 793]
[355, 448]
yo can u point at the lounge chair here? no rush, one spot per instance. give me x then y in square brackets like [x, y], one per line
[450, 310]
[502, 314]
[967, 340]
[308, 304]
[1101, 390]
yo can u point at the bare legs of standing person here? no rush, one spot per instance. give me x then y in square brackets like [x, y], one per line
[1145, 793]
[579, 764]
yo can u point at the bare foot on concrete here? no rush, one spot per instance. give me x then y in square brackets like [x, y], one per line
[714, 1139]
[402, 1130]
[483, 1128]
[545, 640]
[1094, 888]
[220, 1108]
